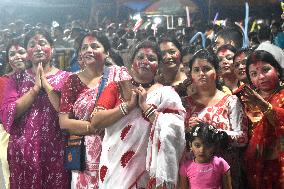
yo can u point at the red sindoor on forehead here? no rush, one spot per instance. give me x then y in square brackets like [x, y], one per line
[37, 37]
[223, 51]
[90, 39]
[17, 47]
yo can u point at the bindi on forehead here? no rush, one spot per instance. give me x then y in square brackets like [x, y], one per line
[37, 37]
[18, 47]
[90, 39]
[224, 52]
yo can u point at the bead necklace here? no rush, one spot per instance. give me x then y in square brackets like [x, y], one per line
[144, 85]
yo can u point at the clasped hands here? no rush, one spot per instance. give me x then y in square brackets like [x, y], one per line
[138, 97]
[41, 80]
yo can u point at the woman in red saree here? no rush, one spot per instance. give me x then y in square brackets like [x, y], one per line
[265, 153]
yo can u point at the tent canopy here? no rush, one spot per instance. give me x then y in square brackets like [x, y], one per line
[137, 5]
[171, 7]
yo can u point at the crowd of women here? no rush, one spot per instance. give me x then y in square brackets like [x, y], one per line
[213, 120]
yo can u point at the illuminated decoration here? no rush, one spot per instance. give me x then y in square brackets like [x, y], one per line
[194, 38]
[157, 20]
[215, 18]
[246, 39]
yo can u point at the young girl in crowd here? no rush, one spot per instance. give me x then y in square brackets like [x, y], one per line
[204, 170]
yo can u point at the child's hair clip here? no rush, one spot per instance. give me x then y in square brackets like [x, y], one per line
[195, 131]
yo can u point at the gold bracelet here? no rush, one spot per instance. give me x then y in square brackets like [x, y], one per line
[49, 90]
[88, 128]
[269, 109]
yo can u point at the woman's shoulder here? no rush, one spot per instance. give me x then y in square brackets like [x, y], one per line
[74, 80]
[22, 75]
[168, 90]
[225, 98]
[115, 84]
[59, 72]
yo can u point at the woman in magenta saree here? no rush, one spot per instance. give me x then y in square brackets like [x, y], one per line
[29, 115]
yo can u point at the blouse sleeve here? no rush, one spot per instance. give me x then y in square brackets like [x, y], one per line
[224, 166]
[238, 121]
[8, 107]
[109, 96]
[69, 94]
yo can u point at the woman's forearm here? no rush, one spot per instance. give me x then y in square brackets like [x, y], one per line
[25, 102]
[105, 118]
[54, 98]
[73, 126]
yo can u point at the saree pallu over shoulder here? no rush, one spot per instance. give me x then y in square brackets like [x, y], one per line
[136, 152]
[265, 153]
[79, 100]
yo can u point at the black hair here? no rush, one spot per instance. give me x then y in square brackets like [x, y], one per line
[116, 57]
[37, 31]
[145, 44]
[188, 50]
[245, 51]
[227, 47]
[264, 33]
[99, 36]
[232, 34]
[209, 57]
[261, 55]
[170, 39]
[209, 135]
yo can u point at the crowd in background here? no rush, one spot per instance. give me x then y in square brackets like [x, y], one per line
[155, 109]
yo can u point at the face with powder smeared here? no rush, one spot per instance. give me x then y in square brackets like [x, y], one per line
[92, 51]
[145, 62]
[17, 57]
[39, 49]
[263, 76]
[171, 56]
[203, 73]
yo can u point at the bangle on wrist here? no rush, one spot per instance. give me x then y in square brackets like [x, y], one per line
[124, 108]
[148, 112]
[96, 110]
[49, 90]
[88, 128]
[268, 110]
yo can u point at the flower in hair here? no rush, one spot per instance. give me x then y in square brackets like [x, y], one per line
[213, 129]
[195, 131]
